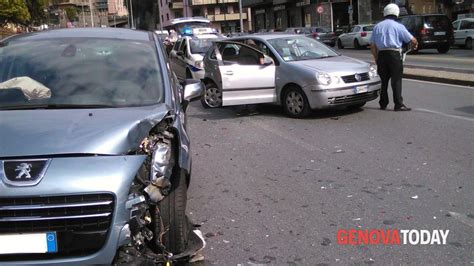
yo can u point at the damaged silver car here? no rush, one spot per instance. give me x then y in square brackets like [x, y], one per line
[94, 153]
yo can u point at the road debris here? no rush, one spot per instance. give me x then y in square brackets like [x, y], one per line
[414, 197]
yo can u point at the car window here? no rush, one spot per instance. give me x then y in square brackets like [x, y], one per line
[437, 22]
[356, 29]
[199, 46]
[300, 48]
[368, 28]
[78, 71]
[266, 51]
[467, 25]
[321, 30]
[233, 53]
[184, 47]
[456, 24]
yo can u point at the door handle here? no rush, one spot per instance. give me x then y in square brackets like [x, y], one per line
[230, 73]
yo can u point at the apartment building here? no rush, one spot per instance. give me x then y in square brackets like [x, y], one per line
[223, 14]
[57, 9]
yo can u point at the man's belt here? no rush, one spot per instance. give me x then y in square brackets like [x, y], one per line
[391, 49]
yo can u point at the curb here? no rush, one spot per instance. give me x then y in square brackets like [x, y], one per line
[440, 80]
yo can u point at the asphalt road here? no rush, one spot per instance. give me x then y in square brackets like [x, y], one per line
[270, 189]
[461, 60]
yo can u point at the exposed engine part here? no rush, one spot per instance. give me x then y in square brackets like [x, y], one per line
[155, 189]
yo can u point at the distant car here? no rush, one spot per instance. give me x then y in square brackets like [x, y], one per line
[432, 31]
[297, 72]
[186, 57]
[94, 154]
[464, 32]
[321, 34]
[356, 37]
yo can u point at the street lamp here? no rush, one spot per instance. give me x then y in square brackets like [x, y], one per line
[240, 16]
[92, 16]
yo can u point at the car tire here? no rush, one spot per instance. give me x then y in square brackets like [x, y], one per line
[443, 49]
[173, 227]
[295, 103]
[332, 44]
[212, 97]
[357, 45]
[355, 106]
[339, 44]
[468, 44]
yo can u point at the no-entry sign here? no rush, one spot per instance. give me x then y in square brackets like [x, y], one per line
[320, 9]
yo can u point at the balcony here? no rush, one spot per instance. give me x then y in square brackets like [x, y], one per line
[226, 17]
[203, 2]
[227, 1]
[176, 5]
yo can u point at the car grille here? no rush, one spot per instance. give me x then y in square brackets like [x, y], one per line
[352, 78]
[81, 222]
[354, 98]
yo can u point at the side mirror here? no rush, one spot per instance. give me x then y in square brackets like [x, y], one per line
[267, 61]
[193, 90]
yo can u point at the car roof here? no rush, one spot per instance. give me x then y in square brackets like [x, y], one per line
[268, 36]
[99, 33]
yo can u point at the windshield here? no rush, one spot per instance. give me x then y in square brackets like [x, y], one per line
[79, 72]
[300, 48]
[200, 46]
[368, 28]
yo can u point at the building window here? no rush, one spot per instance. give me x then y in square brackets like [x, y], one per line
[167, 16]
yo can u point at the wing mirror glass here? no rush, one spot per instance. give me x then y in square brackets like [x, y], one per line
[193, 90]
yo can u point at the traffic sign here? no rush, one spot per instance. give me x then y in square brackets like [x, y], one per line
[320, 9]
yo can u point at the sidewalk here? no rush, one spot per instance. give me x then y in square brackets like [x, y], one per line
[442, 75]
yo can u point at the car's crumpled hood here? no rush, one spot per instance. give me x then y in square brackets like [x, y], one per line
[335, 64]
[76, 131]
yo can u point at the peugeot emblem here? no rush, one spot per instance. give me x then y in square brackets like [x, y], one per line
[357, 77]
[23, 172]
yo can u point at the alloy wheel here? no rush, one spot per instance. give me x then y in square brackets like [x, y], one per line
[213, 97]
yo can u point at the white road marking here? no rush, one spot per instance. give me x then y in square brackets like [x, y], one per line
[443, 114]
[442, 84]
[462, 218]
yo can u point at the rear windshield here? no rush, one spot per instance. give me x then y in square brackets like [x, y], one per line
[437, 22]
[79, 72]
[368, 28]
[200, 46]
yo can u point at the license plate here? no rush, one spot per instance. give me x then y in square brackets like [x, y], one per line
[361, 89]
[28, 243]
[440, 33]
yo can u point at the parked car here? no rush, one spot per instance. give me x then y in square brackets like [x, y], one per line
[321, 34]
[357, 37]
[187, 53]
[94, 151]
[464, 32]
[297, 72]
[432, 31]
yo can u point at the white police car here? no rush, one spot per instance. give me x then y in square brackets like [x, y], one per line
[186, 57]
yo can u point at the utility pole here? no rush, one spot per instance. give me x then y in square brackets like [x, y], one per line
[131, 14]
[83, 17]
[240, 15]
[92, 16]
[159, 14]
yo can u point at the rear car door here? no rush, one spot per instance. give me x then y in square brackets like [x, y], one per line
[244, 77]
[173, 56]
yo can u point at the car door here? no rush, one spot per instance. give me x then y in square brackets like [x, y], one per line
[173, 58]
[465, 30]
[244, 77]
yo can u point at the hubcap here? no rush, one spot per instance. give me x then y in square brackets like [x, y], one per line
[294, 102]
[213, 97]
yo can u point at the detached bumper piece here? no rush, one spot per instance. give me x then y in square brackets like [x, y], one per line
[81, 222]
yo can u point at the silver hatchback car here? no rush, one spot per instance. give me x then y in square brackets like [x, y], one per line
[297, 72]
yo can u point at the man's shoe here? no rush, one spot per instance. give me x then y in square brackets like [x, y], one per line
[383, 107]
[402, 108]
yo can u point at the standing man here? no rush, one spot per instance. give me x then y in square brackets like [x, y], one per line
[387, 39]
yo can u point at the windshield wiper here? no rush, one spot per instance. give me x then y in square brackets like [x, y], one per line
[55, 106]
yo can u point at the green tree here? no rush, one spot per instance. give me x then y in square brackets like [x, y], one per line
[37, 11]
[14, 11]
[71, 13]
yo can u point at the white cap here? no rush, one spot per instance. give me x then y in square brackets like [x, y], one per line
[391, 9]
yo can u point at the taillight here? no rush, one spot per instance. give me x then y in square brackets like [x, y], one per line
[315, 34]
[363, 34]
[424, 31]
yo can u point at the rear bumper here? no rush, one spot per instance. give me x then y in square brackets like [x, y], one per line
[433, 43]
[343, 96]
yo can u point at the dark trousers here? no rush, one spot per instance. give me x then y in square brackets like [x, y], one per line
[390, 67]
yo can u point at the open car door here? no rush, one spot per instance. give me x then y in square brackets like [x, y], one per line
[248, 76]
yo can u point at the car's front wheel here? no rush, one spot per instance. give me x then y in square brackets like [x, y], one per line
[295, 103]
[469, 44]
[170, 216]
[339, 44]
[212, 97]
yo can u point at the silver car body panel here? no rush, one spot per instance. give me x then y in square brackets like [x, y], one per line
[303, 74]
